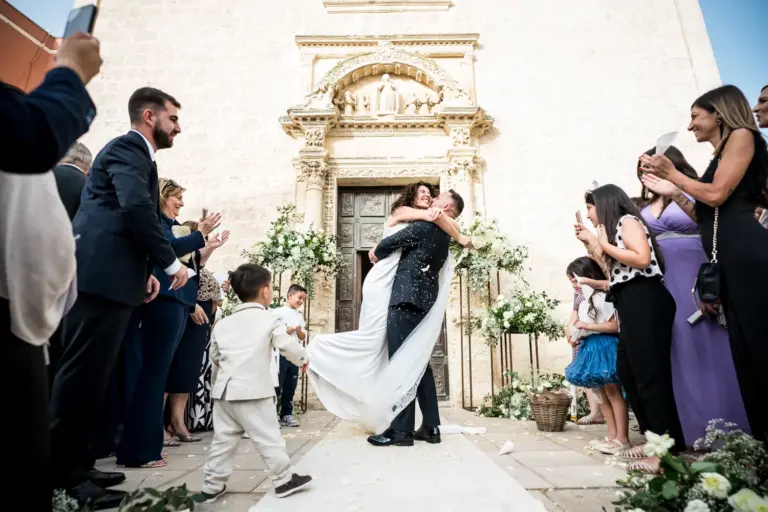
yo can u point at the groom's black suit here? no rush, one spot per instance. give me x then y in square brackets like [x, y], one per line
[424, 251]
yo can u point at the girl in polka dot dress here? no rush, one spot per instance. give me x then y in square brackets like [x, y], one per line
[628, 252]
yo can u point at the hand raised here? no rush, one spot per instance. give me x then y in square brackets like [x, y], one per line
[81, 54]
[209, 224]
[602, 235]
[659, 165]
[658, 185]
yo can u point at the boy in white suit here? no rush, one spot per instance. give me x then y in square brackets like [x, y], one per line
[241, 350]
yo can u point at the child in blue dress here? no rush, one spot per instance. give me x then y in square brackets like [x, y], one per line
[592, 330]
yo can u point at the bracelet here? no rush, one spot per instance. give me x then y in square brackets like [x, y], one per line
[592, 250]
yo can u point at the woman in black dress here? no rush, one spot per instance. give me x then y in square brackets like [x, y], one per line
[726, 197]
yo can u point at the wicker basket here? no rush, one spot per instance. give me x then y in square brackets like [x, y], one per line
[551, 410]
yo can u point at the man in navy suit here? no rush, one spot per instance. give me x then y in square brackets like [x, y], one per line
[70, 175]
[35, 132]
[120, 238]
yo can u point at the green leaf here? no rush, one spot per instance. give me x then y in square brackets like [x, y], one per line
[703, 467]
[669, 490]
[657, 484]
[674, 464]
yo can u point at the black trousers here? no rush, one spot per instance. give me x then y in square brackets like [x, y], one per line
[92, 334]
[25, 425]
[288, 378]
[401, 321]
[646, 314]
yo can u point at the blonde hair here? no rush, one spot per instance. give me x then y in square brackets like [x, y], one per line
[732, 109]
[168, 188]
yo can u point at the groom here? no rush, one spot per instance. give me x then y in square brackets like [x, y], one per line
[424, 251]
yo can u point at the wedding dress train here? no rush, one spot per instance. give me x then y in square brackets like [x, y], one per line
[351, 372]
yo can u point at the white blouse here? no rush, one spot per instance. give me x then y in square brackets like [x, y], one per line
[621, 273]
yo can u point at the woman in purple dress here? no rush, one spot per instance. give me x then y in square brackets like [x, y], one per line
[703, 374]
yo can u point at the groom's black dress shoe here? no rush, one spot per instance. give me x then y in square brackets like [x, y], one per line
[392, 438]
[106, 478]
[428, 434]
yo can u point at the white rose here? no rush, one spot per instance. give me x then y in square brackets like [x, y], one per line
[478, 242]
[296, 252]
[507, 315]
[696, 506]
[500, 298]
[656, 445]
[715, 485]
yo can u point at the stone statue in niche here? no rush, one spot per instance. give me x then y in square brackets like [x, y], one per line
[411, 107]
[347, 103]
[366, 104]
[431, 102]
[387, 100]
[424, 105]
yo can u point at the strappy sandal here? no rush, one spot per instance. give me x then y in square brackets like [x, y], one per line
[191, 438]
[171, 442]
[612, 447]
[593, 443]
[644, 467]
[635, 453]
[154, 464]
[186, 438]
[589, 420]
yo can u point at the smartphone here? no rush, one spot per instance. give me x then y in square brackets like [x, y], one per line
[205, 212]
[81, 19]
[578, 218]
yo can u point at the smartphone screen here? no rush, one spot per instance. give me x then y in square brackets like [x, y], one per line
[81, 19]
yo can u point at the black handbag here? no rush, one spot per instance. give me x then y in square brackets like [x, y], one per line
[708, 284]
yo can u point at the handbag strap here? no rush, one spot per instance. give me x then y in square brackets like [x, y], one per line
[714, 238]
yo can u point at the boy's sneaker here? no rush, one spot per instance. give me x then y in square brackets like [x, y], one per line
[210, 498]
[296, 483]
[288, 421]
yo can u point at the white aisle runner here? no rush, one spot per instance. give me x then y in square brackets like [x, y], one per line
[349, 475]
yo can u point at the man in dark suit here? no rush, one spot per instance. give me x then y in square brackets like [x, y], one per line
[119, 239]
[424, 251]
[35, 132]
[70, 175]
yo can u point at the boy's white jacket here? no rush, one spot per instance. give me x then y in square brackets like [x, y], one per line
[241, 351]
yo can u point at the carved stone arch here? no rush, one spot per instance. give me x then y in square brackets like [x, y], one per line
[389, 59]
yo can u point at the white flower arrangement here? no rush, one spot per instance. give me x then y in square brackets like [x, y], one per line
[514, 400]
[491, 252]
[731, 476]
[525, 312]
[302, 252]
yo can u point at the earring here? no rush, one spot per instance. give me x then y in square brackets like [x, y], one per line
[719, 121]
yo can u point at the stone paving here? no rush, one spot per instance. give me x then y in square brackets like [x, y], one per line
[555, 468]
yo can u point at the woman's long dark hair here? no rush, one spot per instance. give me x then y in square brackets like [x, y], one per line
[408, 196]
[589, 268]
[611, 204]
[647, 196]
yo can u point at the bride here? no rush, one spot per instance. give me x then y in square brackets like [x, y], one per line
[351, 372]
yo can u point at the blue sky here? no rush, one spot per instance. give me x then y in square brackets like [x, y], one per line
[736, 28]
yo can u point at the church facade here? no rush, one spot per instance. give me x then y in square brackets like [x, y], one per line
[335, 104]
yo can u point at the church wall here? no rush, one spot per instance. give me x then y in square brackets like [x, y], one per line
[577, 90]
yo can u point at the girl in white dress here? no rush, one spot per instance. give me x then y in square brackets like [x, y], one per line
[351, 372]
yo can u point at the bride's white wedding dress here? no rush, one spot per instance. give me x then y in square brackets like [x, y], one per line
[351, 372]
